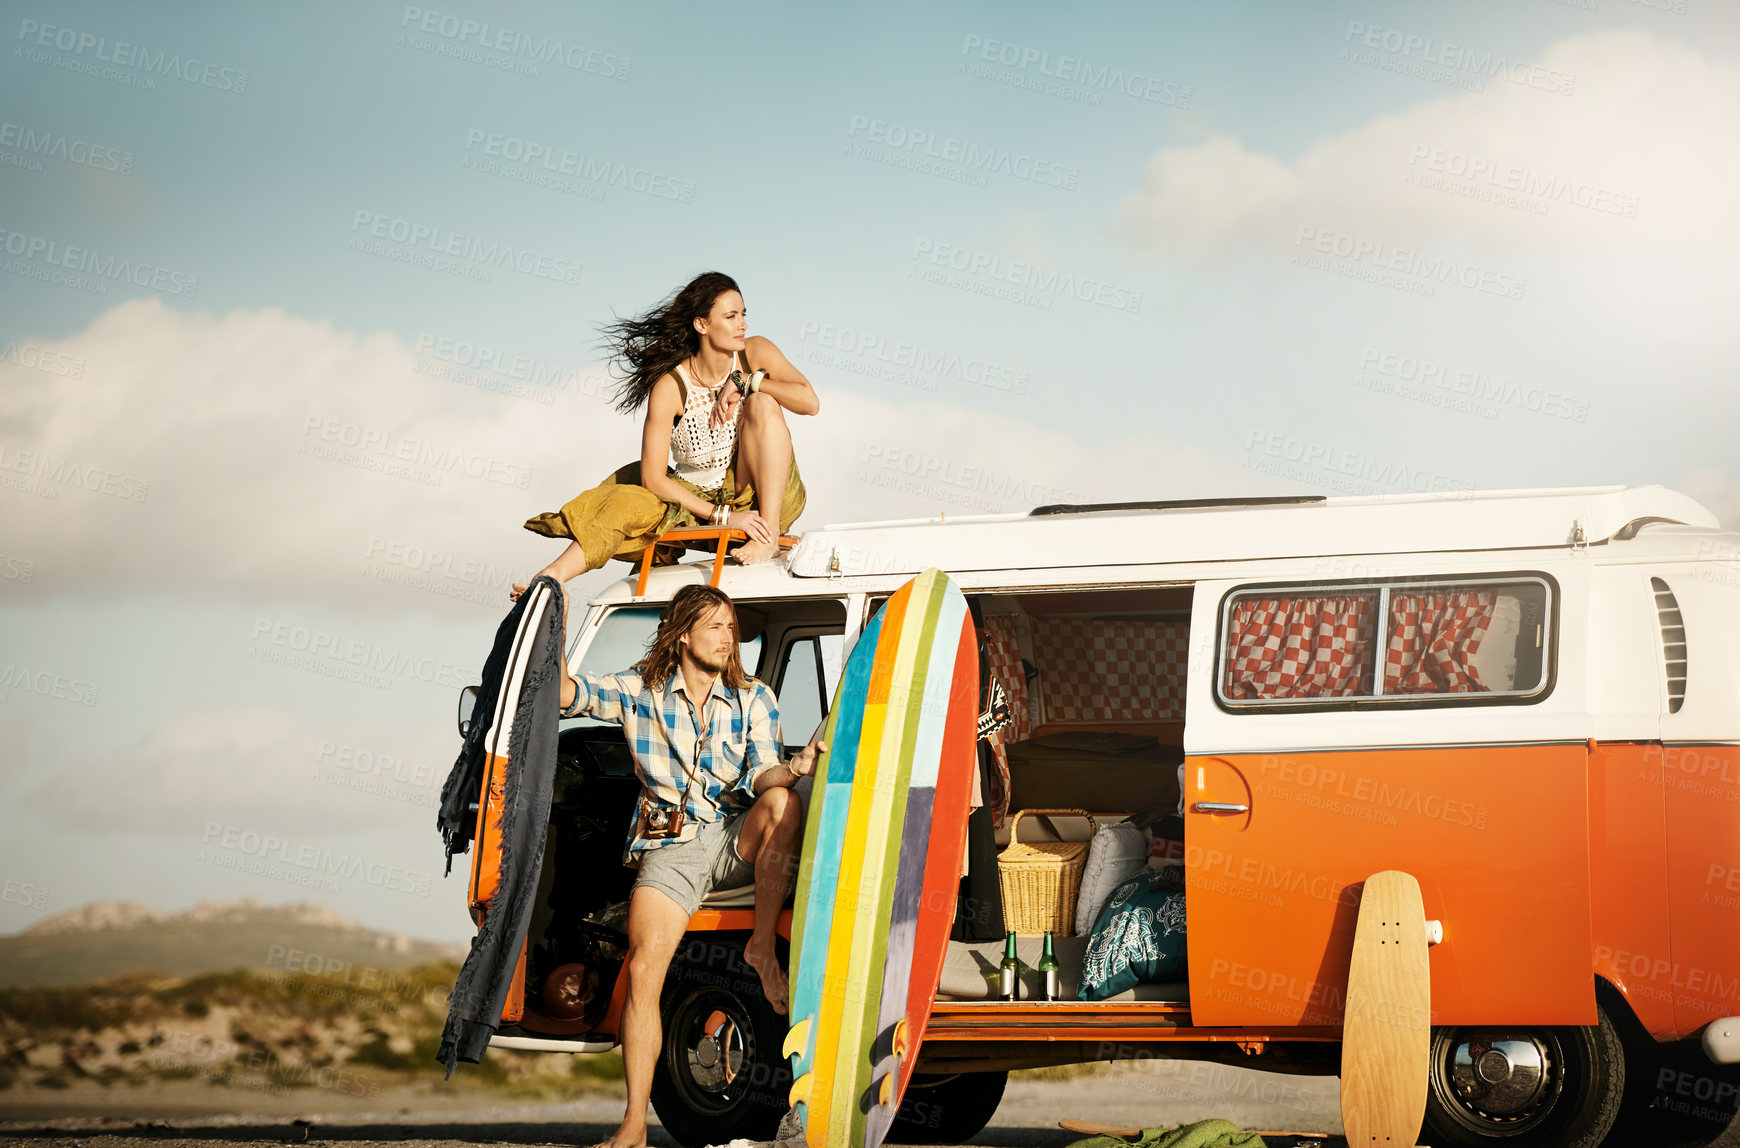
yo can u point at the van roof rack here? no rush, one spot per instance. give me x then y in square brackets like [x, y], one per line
[1174, 504]
[699, 538]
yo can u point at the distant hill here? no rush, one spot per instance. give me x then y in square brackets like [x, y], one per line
[107, 939]
[351, 1031]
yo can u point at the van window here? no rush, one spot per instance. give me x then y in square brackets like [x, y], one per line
[621, 640]
[1464, 640]
[1296, 646]
[801, 702]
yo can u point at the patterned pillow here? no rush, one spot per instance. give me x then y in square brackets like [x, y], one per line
[1138, 939]
[1118, 852]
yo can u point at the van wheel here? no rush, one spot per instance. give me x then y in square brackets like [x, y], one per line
[1540, 1087]
[720, 1075]
[947, 1109]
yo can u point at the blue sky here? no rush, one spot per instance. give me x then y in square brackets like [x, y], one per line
[1490, 241]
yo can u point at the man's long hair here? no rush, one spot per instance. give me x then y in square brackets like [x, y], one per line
[664, 656]
[645, 348]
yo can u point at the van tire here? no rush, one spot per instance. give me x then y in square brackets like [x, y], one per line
[947, 1109]
[697, 1101]
[1585, 1086]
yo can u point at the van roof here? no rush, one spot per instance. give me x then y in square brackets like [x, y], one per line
[1215, 530]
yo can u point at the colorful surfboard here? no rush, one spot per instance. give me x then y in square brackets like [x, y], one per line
[881, 862]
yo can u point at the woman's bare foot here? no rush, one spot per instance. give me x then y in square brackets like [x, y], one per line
[571, 563]
[766, 966]
[753, 552]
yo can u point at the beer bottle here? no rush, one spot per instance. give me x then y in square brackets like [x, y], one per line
[1008, 985]
[1048, 969]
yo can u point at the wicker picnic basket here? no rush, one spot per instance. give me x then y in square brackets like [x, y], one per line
[1040, 879]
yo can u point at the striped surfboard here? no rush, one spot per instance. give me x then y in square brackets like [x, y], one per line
[881, 862]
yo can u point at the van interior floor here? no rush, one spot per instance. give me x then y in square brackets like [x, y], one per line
[971, 967]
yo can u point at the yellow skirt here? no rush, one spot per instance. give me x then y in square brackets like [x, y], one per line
[619, 518]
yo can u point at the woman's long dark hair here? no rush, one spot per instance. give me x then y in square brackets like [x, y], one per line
[645, 349]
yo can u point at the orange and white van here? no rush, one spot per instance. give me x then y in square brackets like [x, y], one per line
[1529, 700]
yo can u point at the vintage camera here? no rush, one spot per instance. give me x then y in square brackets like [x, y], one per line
[658, 822]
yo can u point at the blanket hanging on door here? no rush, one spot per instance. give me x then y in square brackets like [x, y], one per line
[523, 663]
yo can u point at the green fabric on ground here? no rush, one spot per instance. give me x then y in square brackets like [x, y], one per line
[1202, 1134]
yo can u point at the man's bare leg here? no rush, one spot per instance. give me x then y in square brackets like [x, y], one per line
[764, 458]
[571, 563]
[772, 830]
[655, 927]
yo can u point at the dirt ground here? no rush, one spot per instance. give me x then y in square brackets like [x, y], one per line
[191, 1115]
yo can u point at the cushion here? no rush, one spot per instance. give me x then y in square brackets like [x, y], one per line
[1117, 853]
[1138, 939]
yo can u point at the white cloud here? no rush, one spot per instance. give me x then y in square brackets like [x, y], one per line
[1648, 128]
[257, 767]
[259, 454]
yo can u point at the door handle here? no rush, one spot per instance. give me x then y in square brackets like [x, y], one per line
[1220, 807]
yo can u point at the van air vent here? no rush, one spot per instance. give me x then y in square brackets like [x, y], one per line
[1673, 642]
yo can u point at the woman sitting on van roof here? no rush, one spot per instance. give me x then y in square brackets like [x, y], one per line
[715, 401]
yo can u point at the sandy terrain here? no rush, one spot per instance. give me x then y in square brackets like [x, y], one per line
[190, 1114]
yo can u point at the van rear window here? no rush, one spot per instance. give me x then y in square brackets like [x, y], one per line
[1453, 641]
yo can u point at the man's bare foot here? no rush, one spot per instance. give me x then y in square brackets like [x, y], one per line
[753, 552]
[766, 966]
[625, 1137]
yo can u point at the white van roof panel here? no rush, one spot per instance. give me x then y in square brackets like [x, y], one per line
[1235, 531]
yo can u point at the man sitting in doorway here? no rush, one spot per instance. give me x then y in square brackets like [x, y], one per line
[716, 806]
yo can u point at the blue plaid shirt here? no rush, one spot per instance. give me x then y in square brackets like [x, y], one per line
[742, 741]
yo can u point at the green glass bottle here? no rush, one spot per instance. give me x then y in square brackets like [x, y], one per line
[1008, 984]
[1048, 969]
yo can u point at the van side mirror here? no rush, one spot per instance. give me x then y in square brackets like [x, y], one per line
[467, 705]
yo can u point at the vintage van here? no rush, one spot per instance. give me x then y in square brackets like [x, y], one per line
[1529, 700]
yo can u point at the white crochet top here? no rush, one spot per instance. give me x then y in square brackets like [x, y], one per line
[701, 452]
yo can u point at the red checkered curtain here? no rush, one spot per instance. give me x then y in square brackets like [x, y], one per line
[1004, 650]
[1432, 638]
[1108, 670]
[1300, 648]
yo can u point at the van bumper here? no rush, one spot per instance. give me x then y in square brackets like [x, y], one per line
[539, 1044]
[1722, 1040]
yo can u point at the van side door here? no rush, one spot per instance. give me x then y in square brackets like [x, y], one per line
[1335, 729]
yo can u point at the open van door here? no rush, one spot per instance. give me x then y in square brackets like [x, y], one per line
[1317, 755]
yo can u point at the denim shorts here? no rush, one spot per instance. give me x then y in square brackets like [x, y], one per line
[688, 870]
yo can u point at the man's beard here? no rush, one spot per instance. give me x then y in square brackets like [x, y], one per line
[711, 666]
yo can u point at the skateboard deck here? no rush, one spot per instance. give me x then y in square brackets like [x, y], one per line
[1387, 1030]
[880, 864]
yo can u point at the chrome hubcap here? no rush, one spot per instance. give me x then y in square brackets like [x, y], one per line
[717, 1056]
[1505, 1078]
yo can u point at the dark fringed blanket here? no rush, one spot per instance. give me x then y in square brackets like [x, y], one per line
[530, 636]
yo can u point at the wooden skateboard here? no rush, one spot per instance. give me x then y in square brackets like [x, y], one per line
[1091, 1128]
[1387, 1031]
